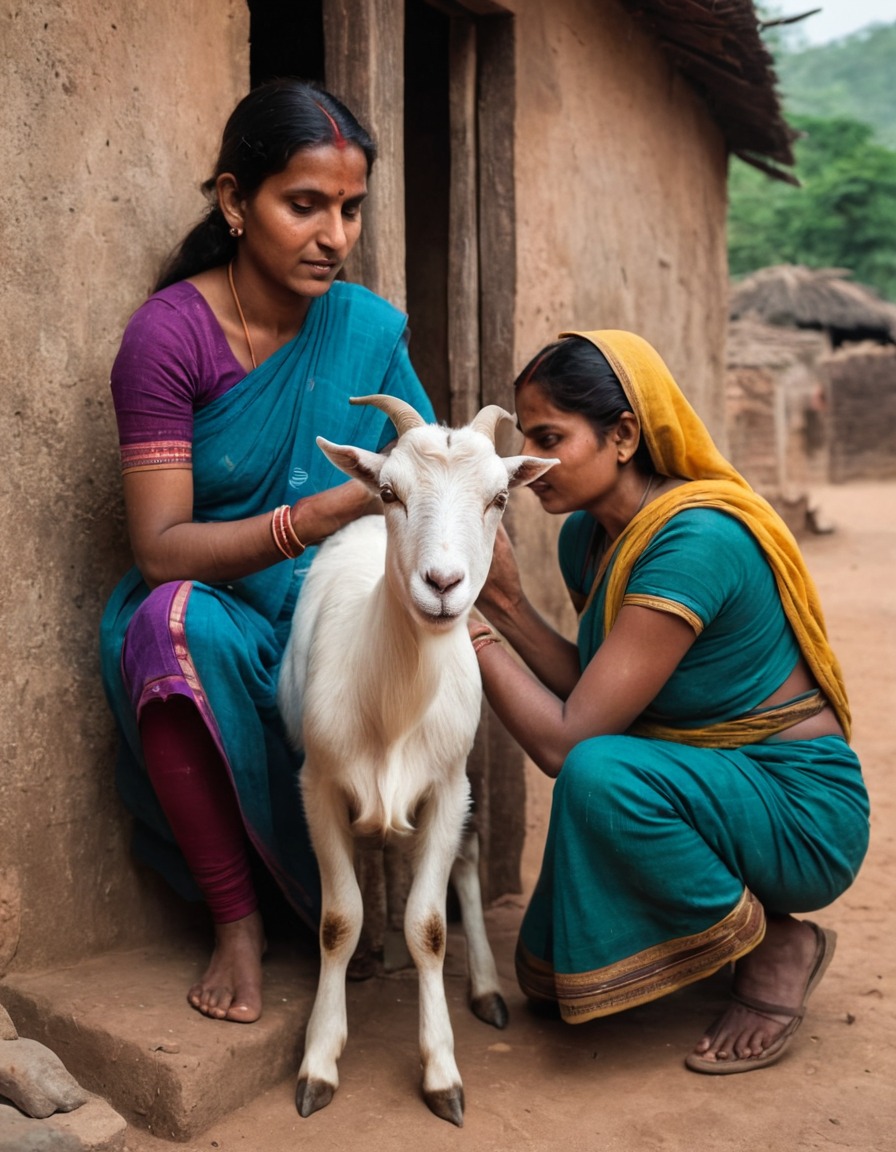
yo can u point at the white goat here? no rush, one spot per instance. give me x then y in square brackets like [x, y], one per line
[380, 686]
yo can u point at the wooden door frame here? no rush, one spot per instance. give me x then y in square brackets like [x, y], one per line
[364, 63]
[482, 223]
[364, 49]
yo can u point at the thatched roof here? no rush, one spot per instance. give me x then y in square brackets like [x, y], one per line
[825, 298]
[717, 45]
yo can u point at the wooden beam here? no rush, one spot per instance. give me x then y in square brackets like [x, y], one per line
[463, 227]
[364, 64]
[497, 209]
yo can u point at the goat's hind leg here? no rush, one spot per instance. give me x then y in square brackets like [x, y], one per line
[486, 1000]
[426, 935]
[341, 917]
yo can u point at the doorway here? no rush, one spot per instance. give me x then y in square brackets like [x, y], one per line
[459, 203]
[286, 39]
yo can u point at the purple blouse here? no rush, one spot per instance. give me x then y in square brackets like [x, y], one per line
[173, 359]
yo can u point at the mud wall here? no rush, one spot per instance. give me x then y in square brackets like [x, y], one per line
[621, 201]
[111, 112]
[621, 193]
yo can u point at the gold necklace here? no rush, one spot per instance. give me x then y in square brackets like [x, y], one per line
[605, 542]
[644, 497]
[236, 301]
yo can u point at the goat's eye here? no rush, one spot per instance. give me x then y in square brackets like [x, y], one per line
[500, 501]
[387, 495]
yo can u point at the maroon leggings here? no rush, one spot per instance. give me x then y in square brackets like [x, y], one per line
[191, 782]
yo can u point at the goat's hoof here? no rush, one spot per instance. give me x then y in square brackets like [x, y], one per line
[448, 1104]
[312, 1095]
[491, 1008]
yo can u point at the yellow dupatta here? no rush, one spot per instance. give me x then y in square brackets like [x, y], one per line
[680, 445]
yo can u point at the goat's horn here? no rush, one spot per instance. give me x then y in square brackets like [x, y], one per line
[402, 415]
[487, 420]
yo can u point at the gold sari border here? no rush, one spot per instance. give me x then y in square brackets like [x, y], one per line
[662, 604]
[752, 728]
[647, 975]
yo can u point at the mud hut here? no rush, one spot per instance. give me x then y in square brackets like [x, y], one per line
[809, 350]
[775, 413]
[542, 166]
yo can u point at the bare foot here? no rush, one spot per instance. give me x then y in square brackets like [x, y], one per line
[231, 986]
[777, 972]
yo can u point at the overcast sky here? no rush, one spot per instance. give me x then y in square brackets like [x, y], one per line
[837, 18]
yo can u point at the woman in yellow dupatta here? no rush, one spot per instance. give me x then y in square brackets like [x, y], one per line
[699, 728]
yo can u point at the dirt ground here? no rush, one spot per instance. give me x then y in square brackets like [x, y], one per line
[619, 1084]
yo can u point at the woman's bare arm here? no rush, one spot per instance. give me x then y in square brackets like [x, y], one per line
[641, 652]
[168, 545]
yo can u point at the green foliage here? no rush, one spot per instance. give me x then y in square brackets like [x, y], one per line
[844, 213]
[853, 77]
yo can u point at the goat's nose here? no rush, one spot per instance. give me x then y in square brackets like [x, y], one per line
[443, 582]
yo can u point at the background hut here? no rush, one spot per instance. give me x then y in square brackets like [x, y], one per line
[811, 383]
[776, 433]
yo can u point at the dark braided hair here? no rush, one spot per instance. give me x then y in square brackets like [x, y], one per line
[265, 130]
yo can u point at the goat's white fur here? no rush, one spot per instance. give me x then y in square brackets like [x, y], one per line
[381, 688]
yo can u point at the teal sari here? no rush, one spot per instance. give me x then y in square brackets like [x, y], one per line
[662, 856]
[221, 645]
[668, 843]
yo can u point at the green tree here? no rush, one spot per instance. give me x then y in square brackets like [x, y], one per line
[843, 215]
[848, 77]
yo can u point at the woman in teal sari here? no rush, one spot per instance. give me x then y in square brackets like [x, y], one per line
[705, 790]
[248, 349]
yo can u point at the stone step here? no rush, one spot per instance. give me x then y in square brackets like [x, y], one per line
[94, 1127]
[121, 1025]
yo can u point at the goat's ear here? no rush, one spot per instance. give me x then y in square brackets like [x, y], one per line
[355, 462]
[524, 469]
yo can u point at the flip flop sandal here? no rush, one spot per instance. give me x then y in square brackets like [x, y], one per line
[825, 943]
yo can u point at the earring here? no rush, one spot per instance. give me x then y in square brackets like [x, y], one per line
[234, 231]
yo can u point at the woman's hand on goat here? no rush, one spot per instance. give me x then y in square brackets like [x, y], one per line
[319, 516]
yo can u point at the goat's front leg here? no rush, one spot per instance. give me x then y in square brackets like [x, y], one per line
[340, 926]
[485, 991]
[426, 935]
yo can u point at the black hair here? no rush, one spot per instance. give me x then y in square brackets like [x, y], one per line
[576, 377]
[264, 131]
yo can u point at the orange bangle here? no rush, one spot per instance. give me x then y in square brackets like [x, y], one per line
[487, 638]
[284, 534]
[290, 528]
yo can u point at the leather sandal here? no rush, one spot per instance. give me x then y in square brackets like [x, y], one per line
[825, 943]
